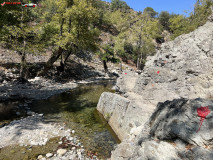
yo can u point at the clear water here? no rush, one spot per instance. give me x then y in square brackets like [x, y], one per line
[77, 110]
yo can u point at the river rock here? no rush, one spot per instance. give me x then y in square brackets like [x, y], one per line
[40, 157]
[61, 152]
[30, 113]
[48, 155]
[73, 131]
[125, 150]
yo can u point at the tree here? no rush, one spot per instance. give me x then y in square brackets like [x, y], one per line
[119, 5]
[69, 27]
[177, 25]
[150, 11]
[164, 17]
[145, 31]
[106, 54]
[201, 12]
[21, 34]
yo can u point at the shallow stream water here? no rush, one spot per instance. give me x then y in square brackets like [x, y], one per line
[77, 110]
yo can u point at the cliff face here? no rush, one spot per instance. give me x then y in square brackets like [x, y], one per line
[182, 68]
[158, 115]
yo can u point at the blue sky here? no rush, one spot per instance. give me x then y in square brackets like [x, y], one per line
[175, 6]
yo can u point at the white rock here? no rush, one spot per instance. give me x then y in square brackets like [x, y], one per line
[40, 157]
[30, 113]
[136, 131]
[33, 143]
[73, 131]
[48, 155]
[18, 113]
[73, 148]
[60, 142]
[71, 138]
[61, 152]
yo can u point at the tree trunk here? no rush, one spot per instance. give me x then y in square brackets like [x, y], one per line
[50, 62]
[55, 56]
[138, 64]
[23, 70]
[105, 67]
[121, 67]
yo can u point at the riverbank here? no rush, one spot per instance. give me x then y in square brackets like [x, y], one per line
[34, 131]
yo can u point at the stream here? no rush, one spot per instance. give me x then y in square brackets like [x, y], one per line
[77, 109]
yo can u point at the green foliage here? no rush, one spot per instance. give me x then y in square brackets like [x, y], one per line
[119, 5]
[164, 17]
[69, 25]
[137, 34]
[150, 11]
[19, 31]
[182, 25]
[178, 25]
[108, 54]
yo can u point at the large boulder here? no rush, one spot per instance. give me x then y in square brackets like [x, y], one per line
[126, 117]
[172, 133]
[178, 119]
[113, 107]
[126, 81]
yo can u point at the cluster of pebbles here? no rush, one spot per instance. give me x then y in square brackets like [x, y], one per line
[69, 148]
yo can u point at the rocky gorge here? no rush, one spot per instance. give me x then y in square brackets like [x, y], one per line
[154, 113]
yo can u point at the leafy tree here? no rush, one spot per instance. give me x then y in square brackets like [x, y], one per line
[177, 25]
[119, 5]
[21, 34]
[164, 17]
[69, 27]
[145, 30]
[107, 55]
[201, 12]
[150, 11]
